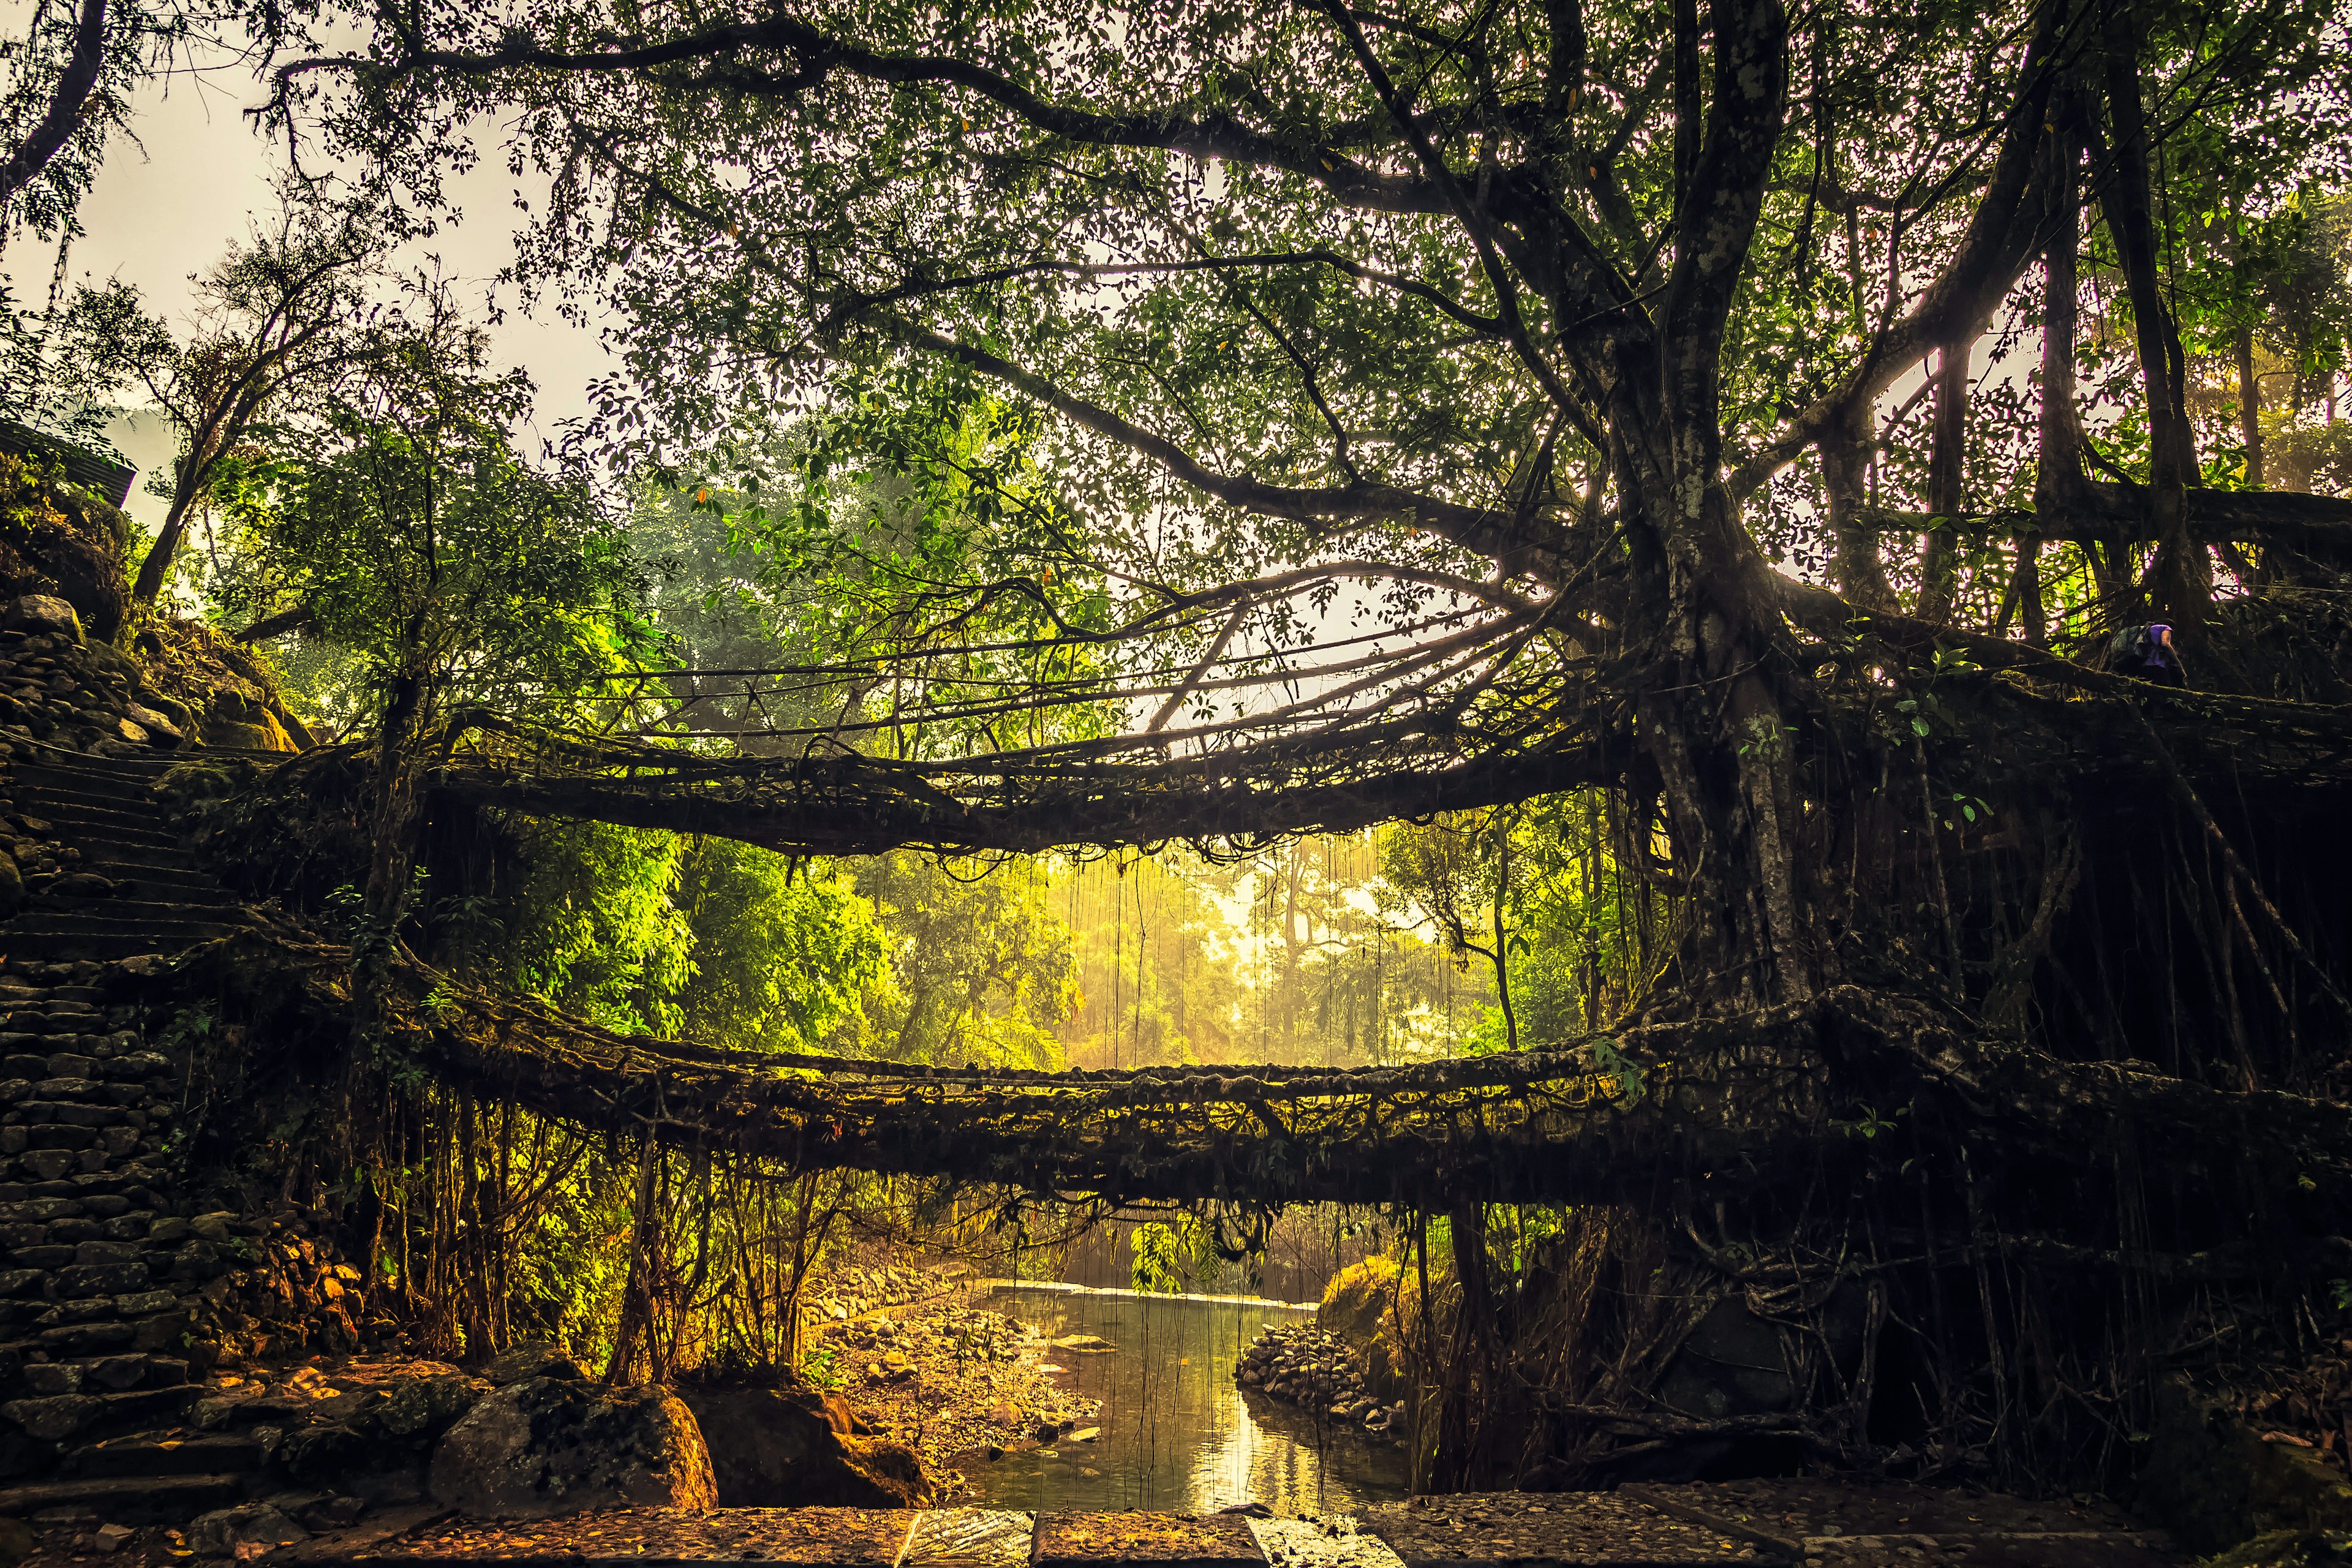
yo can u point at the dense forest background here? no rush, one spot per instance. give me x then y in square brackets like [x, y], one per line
[1713, 454]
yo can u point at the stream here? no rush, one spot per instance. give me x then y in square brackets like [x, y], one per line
[1176, 1431]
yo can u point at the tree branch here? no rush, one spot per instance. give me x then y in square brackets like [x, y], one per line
[818, 55]
[63, 117]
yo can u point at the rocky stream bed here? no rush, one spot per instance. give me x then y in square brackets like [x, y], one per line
[955, 1384]
[1318, 1372]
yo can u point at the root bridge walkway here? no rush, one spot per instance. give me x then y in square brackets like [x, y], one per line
[1817, 1524]
[1608, 1119]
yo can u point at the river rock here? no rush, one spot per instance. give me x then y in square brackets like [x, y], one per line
[791, 1448]
[41, 613]
[1316, 1370]
[539, 1359]
[428, 1406]
[233, 1531]
[550, 1446]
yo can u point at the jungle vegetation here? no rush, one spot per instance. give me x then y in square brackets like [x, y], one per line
[1621, 508]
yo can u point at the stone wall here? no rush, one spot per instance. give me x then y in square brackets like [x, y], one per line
[119, 1280]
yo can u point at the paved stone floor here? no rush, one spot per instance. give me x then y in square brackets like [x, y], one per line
[1794, 1523]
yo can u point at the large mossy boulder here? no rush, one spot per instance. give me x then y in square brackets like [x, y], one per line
[58, 540]
[245, 723]
[551, 1446]
[791, 1448]
[2215, 1483]
[1360, 1305]
[41, 614]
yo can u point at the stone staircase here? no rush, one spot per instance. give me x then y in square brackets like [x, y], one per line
[136, 889]
[108, 1435]
[149, 1478]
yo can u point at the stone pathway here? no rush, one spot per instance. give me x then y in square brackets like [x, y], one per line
[1786, 1523]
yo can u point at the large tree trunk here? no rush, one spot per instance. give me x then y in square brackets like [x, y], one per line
[2180, 578]
[1845, 451]
[1713, 723]
[69, 100]
[1947, 485]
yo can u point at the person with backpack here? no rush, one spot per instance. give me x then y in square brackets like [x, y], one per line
[2146, 653]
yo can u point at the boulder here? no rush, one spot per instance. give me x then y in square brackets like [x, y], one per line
[176, 715]
[550, 1446]
[538, 1359]
[1362, 1305]
[247, 1531]
[41, 613]
[267, 735]
[89, 578]
[153, 722]
[237, 721]
[1357, 1299]
[1731, 1363]
[791, 1448]
[2214, 1481]
[427, 1406]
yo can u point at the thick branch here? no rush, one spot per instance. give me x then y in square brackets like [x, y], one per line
[1486, 530]
[2001, 236]
[816, 55]
[63, 117]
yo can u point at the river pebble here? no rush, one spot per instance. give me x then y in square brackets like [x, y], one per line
[946, 1381]
[1316, 1371]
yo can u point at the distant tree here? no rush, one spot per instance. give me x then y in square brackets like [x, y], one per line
[465, 579]
[278, 322]
[980, 971]
[1456, 872]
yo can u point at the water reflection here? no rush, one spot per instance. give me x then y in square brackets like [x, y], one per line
[1176, 1431]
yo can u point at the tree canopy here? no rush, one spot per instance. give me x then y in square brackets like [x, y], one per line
[1519, 339]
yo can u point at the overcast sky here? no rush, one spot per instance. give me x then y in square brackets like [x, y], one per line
[170, 204]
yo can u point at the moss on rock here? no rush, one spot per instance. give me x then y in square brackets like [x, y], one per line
[2214, 1483]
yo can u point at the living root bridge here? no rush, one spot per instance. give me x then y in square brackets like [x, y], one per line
[1642, 1117]
[2028, 724]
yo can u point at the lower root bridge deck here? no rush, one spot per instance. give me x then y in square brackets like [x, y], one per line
[1656, 1527]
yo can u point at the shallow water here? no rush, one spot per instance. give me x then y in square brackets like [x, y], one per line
[1177, 1433]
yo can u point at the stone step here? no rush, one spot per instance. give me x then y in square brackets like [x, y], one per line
[78, 826]
[161, 867]
[173, 928]
[205, 896]
[127, 1499]
[68, 760]
[105, 783]
[14, 998]
[107, 841]
[173, 865]
[87, 788]
[59, 947]
[157, 912]
[25, 1024]
[162, 1454]
[89, 1417]
[74, 806]
[43, 1006]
